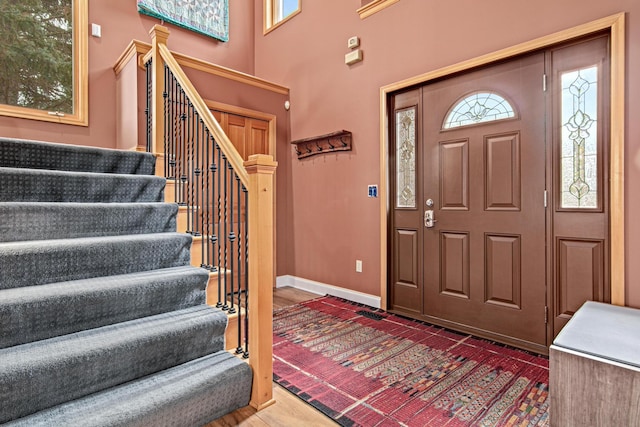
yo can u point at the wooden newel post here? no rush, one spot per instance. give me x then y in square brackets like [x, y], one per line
[261, 169]
[159, 35]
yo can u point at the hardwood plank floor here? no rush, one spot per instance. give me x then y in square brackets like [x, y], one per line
[288, 411]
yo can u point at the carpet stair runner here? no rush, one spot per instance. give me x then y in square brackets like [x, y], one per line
[103, 322]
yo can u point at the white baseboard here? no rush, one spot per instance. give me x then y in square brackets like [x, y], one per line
[324, 289]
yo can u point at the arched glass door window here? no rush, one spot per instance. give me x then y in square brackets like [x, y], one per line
[478, 107]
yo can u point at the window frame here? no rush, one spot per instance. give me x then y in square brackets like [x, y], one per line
[270, 9]
[374, 6]
[79, 117]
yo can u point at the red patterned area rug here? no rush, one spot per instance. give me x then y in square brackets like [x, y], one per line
[365, 367]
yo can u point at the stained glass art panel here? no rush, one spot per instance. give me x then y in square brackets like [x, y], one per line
[579, 142]
[406, 158]
[479, 107]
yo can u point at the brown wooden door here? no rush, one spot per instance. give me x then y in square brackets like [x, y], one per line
[484, 258]
[248, 134]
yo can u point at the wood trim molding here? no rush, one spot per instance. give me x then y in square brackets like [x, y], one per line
[80, 115]
[374, 7]
[135, 48]
[142, 49]
[616, 25]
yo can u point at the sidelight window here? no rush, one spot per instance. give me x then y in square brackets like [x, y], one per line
[579, 143]
[479, 107]
[406, 158]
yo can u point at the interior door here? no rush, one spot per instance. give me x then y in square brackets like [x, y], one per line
[484, 189]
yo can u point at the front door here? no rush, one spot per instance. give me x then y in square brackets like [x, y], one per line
[484, 183]
[499, 215]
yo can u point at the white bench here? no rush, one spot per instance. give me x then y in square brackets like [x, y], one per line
[594, 368]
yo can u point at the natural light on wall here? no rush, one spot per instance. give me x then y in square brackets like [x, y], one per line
[276, 12]
[43, 55]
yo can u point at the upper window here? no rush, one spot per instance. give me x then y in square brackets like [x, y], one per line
[369, 7]
[479, 107]
[277, 12]
[43, 57]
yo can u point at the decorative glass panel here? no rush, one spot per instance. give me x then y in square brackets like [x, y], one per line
[579, 145]
[406, 158]
[477, 108]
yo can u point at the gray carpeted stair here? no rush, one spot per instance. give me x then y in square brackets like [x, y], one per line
[67, 307]
[37, 262]
[50, 220]
[37, 185]
[102, 320]
[187, 395]
[20, 153]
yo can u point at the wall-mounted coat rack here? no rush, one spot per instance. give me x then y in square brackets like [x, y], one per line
[335, 141]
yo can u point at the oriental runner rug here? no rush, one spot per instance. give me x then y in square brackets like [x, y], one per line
[365, 367]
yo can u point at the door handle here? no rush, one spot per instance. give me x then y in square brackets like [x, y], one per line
[429, 222]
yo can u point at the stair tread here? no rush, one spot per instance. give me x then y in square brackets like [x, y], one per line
[57, 220]
[49, 155]
[56, 370]
[67, 307]
[36, 262]
[24, 184]
[190, 394]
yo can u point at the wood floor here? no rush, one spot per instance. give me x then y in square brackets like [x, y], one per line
[288, 409]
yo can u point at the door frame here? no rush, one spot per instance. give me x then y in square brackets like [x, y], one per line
[615, 24]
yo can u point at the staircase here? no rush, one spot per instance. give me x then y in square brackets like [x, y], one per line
[103, 321]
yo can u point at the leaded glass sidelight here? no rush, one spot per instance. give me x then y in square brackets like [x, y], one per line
[406, 158]
[479, 107]
[579, 144]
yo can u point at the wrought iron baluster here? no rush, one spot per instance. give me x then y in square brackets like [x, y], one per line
[232, 239]
[225, 223]
[240, 241]
[148, 111]
[246, 269]
[218, 228]
[214, 232]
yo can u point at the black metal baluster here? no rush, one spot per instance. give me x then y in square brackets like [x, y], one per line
[246, 277]
[232, 239]
[225, 224]
[214, 234]
[240, 241]
[148, 111]
[221, 271]
[165, 97]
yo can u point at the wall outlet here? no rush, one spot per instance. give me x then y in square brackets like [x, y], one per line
[353, 42]
[358, 266]
[372, 190]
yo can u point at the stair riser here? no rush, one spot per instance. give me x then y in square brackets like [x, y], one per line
[55, 371]
[30, 185]
[42, 221]
[75, 306]
[41, 262]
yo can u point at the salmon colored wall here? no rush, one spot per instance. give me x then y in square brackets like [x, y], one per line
[333, 221]
[121, 23]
